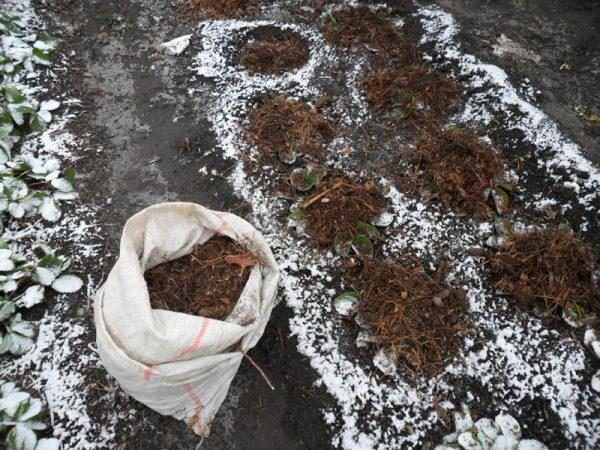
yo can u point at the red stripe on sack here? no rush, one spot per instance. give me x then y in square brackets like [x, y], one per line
[197, 341]
[148, 372]
[190, 390]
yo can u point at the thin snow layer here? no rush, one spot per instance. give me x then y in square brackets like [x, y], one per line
[57, 365]
[562, 159]
[512, 356]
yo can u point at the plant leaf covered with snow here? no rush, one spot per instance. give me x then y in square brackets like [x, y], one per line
[21, 415]
[23, 283]
[502, 433]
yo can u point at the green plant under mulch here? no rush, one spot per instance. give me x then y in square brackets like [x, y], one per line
[340, 210]
[455, 167]
[412, 92]
[552, 270]
[417, 317]
[363, 26]
[288, 128]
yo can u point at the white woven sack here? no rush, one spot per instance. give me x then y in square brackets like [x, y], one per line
[178, 364]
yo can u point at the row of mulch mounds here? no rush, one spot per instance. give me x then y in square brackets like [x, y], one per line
[412, 313]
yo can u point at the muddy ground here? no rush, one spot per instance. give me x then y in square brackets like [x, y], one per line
[155, 137]
[552, 43]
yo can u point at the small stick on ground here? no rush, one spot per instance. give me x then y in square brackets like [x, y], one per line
[348, 203]
[319, 196]
[262, 373]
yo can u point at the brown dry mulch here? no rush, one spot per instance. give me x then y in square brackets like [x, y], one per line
[552, 269]
[336, 208]
[275, 54]
[362, 25]
[417, 316]
[281, 127]
[411, 92]
[455, 167]
[220, 9]
[207, 282]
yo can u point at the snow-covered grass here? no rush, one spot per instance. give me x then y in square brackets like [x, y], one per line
[52, 361]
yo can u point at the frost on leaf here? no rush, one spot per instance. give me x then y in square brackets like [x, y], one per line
[66, 284]
[32, 296]
[19, 336]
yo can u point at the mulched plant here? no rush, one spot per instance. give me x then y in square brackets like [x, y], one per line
[417, 316]
[220, 9]
[275, 54]
[551, 269]
[413, 92]
[363, 26]
[286, 128]
[338, 206]
[207, 282]
[458, 169]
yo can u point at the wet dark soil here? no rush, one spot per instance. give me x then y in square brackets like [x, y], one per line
[151, 140]
[553, 45]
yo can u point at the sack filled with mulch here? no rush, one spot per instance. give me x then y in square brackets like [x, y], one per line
[191, 292]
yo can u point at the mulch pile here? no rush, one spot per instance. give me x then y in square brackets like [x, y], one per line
[336, 208]
[275, 54]
[285, 127]
[417, 316]
[412, 92]
[456, 167]
[207, 282]
[361, 25]
[551, 268]
[220, 9]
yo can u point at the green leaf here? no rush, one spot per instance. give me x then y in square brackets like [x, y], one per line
[362, 245]
[368, 230]
[21, 438]
[41, 57]
[70, 175]
[36, 124]
[7, 309]
[51, 262]
[13, 95]
[19, 336]
[297, 214]
[312, 178]
[6, 23]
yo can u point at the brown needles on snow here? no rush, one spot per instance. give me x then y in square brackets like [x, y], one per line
[364, 26]
[284, 127]
[275, 54]
[420, 319]
[552, 269]
[207, 282]
[411, 92]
